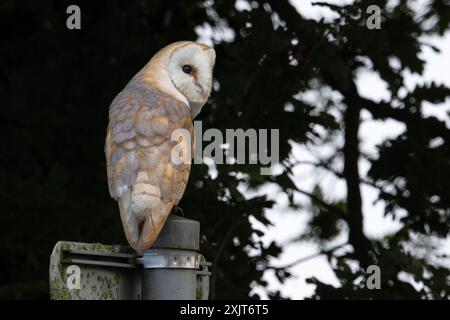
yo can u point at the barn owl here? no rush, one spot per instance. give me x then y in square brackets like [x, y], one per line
[165, 95]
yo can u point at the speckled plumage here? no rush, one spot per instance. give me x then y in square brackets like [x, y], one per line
[141, 174]
[142, 120]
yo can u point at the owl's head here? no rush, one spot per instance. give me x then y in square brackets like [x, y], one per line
[184, 70]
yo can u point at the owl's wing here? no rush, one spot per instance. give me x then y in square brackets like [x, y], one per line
[142, 175]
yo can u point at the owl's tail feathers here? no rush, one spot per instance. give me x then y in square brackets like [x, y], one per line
[152, 226]
[130, 221]
[141, 224]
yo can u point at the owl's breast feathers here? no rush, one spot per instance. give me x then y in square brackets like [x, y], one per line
[141, 174]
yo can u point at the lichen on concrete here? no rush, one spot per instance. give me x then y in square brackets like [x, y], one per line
[95, 282]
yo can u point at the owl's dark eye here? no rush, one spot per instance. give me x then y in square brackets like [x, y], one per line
[187, 69]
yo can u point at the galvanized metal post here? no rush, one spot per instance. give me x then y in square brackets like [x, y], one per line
[172, 269]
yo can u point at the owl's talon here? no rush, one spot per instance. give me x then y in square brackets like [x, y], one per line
[177, 211]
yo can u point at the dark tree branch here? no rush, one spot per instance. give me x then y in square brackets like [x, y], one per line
[351, 175]
[325, 166]
[327, 206]
[309, 257]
